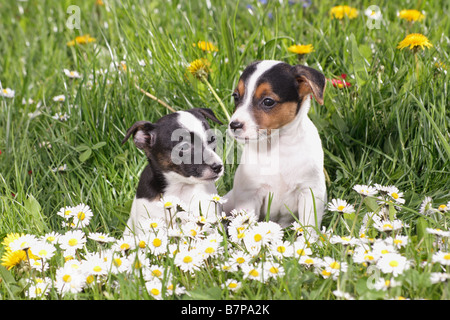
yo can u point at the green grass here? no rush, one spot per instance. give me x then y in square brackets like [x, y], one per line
[389, 127]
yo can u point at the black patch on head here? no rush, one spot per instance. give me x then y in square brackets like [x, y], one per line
[282, 81]
[156, 141]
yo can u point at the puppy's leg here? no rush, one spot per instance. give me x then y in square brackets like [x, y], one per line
[311, 207]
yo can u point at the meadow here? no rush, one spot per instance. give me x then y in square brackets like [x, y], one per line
[75, 75]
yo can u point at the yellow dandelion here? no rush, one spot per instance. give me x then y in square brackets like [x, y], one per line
[206, 46]
[81, 40]
[10, 237]
[411, 15]
[414, 41]
[199, 68]
[301, 49]
[11, 259]
[339, 12]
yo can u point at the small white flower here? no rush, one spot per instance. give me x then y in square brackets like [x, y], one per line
[60, 98]
[24, 242]
[343, 295]
[43, 250]
[154, 288]
[188, 260]
[441, 257]
[309, 261]
[69, 280]
[217, 199]
[282, 249]
[387, 225]
[393, 263]
[341, 206]
[157, 243]
[426, 208]
[101, 237]
[72, 240]
[60, 168]
[7, 93]
[72, 74]
[438, 232]
[273, 270]
[373, 14]
[61, 116]
[253, 272]
[232, 285]
[382, 284]
[365, 190]
[82, 215]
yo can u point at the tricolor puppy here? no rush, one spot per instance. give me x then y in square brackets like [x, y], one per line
[272, 100]
[182, 163]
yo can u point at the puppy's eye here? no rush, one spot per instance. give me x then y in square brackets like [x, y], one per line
[235, 96]
[268, 102]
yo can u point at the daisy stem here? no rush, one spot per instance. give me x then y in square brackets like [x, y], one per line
[217, 97]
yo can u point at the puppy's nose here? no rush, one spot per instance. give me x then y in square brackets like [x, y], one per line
[236, 125]
[216, 167]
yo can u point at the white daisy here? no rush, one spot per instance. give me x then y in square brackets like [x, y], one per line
[188, 260]
[7, 93]
[441, 257]
[232, 285]
[438, 232]
[365, 190]
[341, 206]
[24, 242]
[43, 250]
[60, 98]
[72, 74]
[393, 263]
[82, 215]
[157, 243]
[253, 272]
[72, 240]
[101, 237]
[281, 249]
[154, 289]
[426, 207]
[309, 261]
[273, 270]
[69, 280]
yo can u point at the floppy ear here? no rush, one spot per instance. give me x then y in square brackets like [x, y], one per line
[207, 113]
[310, 81]
[144, 135]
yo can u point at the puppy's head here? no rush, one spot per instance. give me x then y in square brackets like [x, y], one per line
[269, 95]
[180, 144]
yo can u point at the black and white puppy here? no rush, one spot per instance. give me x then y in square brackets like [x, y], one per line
[182, 163]
[272, 101]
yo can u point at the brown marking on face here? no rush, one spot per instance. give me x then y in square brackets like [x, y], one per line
[280, 115]
[241, 88]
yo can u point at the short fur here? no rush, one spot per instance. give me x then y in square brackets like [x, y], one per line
[190, 182]
[274, 97]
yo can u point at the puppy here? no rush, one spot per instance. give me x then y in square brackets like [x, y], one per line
[182, 163]
[272, 100]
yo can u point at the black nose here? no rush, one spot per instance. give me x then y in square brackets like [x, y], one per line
[216, 167]
[236, 125]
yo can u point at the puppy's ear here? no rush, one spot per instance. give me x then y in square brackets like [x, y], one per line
[310, 81]
[143, 133]
[207, 113]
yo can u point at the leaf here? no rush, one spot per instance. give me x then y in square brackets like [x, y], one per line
[82, 148]
[85, 155]
[33, 207]
[98, 145]
[213, 293]
[360, 64]
[371, 203]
